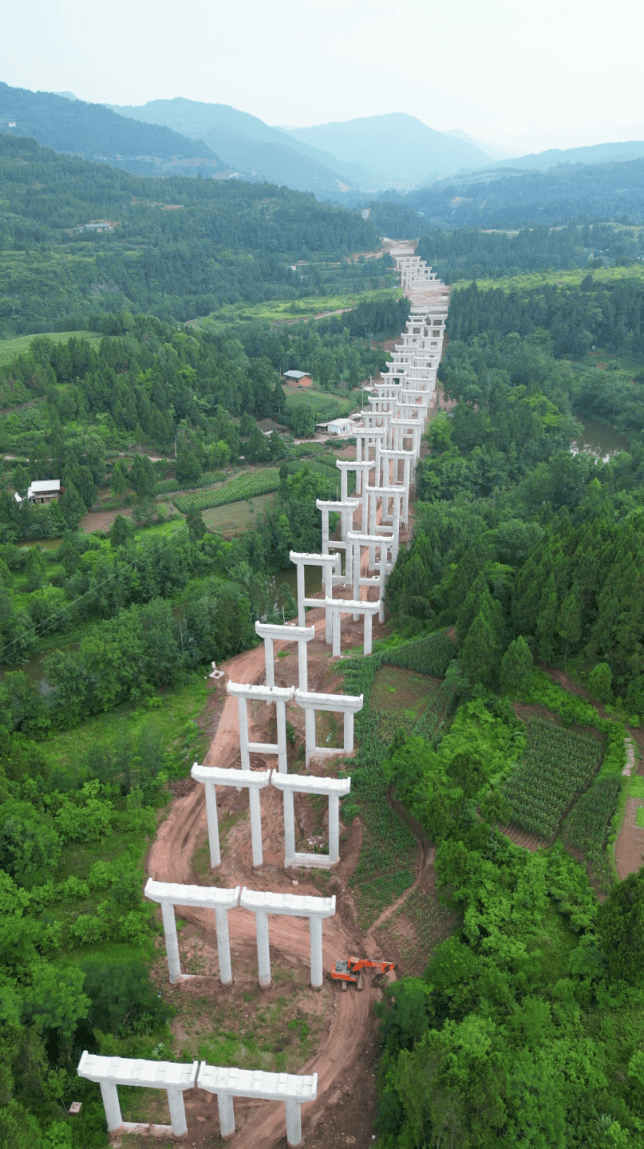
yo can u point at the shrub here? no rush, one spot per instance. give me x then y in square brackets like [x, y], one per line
[123, 999]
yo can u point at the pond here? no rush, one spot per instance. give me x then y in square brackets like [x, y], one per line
[46, 544]
[598, 439]
[312, 580]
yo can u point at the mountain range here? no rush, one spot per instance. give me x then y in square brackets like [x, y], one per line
[94, 132]
[345, 161]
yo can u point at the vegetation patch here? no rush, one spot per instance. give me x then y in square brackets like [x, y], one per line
[589, 824]
[557, 767]
[244, 486]
[398, 691]
[414, 931]
[235, 517]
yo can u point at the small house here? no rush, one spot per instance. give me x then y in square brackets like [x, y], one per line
[344, 426]
[298, 378]
[41, 491]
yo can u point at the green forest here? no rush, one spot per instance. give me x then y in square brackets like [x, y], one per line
[178, 248]
[144, 367]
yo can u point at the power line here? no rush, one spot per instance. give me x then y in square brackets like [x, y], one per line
[93, 590]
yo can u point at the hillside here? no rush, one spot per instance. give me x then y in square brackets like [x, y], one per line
[395, 147]
[176, 247]
[568, 193]
[247, 144]
[96, 133]
[594, 154]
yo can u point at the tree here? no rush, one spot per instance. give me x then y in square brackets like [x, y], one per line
[120, 478]
[21, 480]
[620, 924]
[516, 667]
[120, 532]
[142, 477]
[303, 422]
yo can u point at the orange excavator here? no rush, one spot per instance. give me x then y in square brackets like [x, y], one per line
[351, 970]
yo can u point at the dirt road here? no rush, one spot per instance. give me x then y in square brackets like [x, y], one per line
[349, 1037]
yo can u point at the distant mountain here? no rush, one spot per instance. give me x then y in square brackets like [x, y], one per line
[594, 154]
[568, 193]
[493, 153]
[397, 148]
[247, 144]
[66, 124]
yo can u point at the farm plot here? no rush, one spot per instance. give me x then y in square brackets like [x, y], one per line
[235, 517]
[589, 824]
[557, 767]
[207, 479]
[245, 486]
[397, 691]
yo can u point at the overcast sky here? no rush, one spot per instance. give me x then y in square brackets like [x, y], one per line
[517, 75]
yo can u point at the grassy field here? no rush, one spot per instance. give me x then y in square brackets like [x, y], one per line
[285, 311]
[398, 691]
[173, 718]
[10, 348]
[324, 405]
[570, 278]
[235, 517]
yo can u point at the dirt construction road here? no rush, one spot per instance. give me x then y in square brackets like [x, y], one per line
[342, 1052]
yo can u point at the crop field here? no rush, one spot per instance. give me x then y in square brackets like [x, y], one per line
[208, 479]
[589, 824]
[235, 517]
[245, 486]
[324, 405]
[557, 767]
[415, 930]
[572, 278]
[389, 849]
[286, 311]
[10, 348]
[396, 691]
[430, 655]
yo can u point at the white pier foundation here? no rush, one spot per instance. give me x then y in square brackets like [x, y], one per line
[274, 632]
[279, 695]
[386, 545]
[294, 1090]
[348, 704]
[345, 510]
[334, 788]
[329, 563]
[110, 1072]
[262, 903]
[212, 776]
[171, 894]
[356, 607]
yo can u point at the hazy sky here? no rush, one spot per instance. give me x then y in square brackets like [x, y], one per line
[518, 75]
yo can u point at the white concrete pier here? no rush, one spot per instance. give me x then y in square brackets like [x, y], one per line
[356, 607]
[212, 776]
[348, 704]
[334, 788]
[172, 1076]
[279, 695]
[291, 1088]
[171, 894]
[276, 632]
[329, 564]
[261, 903]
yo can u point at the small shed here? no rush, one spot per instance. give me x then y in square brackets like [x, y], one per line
[344, 426]
[41, 491]
[298, 378]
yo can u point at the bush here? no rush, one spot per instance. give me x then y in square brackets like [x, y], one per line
[123, 999]
[430, 655]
